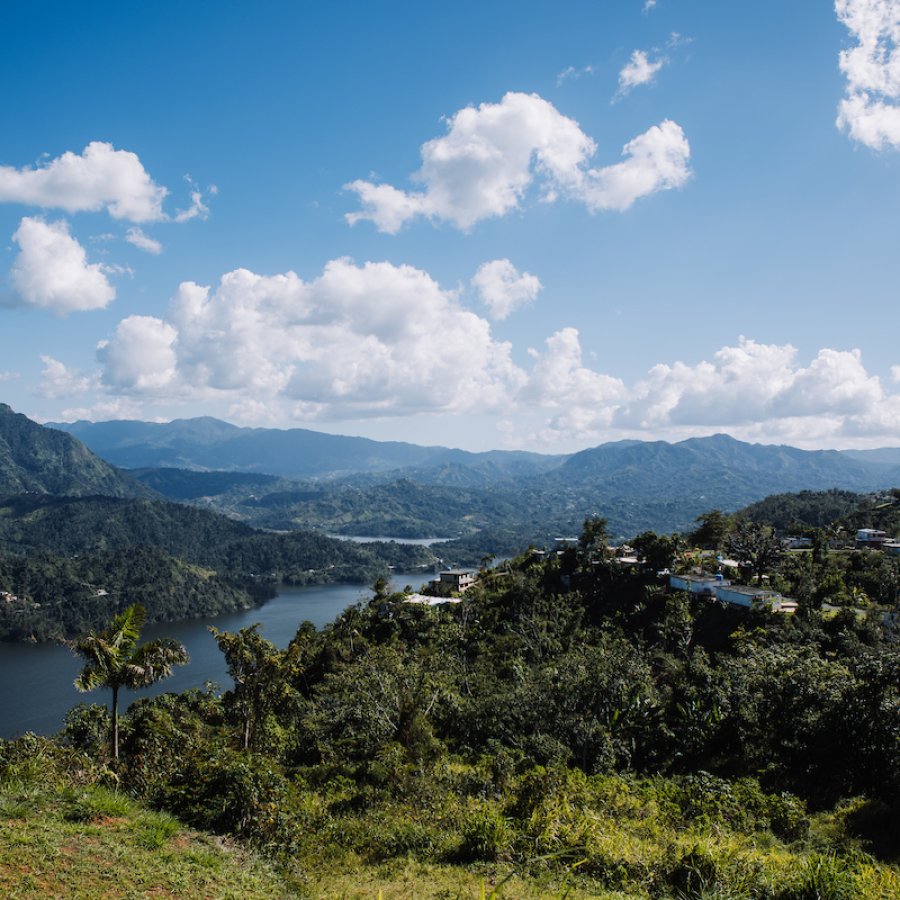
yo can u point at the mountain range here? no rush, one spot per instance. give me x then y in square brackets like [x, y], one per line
[354, 485]
[210, 444]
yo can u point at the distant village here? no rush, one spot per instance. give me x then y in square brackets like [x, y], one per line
[451, 584]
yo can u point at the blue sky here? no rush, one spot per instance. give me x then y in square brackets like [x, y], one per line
[503, 224]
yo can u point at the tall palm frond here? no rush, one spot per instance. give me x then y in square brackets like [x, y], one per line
[114, 659]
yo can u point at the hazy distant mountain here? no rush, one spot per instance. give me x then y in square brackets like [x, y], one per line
[208, 444]
[719, 467]
[385, 488]
[42, 460]
[888, 456]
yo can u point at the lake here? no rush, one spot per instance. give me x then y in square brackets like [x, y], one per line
[37, 678]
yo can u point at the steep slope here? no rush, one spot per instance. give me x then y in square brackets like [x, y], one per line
[46, 461]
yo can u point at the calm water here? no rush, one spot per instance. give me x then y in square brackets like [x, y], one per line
[36, 679]
[368, 539]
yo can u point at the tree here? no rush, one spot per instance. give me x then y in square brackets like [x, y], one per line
[712, 529]
[593, 541]
[261, 674]
[656, 550]
[114, 660]
[754, 546]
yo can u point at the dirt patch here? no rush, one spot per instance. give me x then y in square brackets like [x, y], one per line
[109, 821]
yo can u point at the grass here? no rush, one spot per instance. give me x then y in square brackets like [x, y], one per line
[94, 843]
[65, 832]
[87, 841]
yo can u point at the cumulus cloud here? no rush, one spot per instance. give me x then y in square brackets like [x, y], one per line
[142, 241]
[492, 154]
[503, 288]
[379, 340]
[371, 339]
[51, 270]
[559, 379]
[58, 380]
[656, 160]
[108, 409]
[100, 178]
[752, 389]
[640, 69]
[141, 356]
[648, 5]
[870, 110]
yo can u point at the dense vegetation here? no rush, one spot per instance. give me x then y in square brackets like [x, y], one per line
[635, 485]
[60, 597]
[63, 833]
[569, 721]
[839, 512]
[42, 460]
[74, 561]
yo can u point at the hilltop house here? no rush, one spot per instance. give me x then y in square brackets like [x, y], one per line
[718, 588]
[457, 580]
[870, 539]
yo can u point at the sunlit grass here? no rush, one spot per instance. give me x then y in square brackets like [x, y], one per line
[96, 843]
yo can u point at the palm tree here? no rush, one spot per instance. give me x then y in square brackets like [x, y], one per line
[116, 660]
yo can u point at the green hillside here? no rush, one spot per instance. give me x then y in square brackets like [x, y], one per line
[57, 553]
[66, 833]
[41, 460]
[635, 485]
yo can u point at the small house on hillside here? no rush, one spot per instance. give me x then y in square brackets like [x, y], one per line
[744, 595]
[456, 580]
[870, 539]
[716, 587]
[699, 585]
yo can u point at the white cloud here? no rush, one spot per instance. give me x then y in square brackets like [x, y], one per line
[100, 178]
[143, 241]
[197, 209]
[570, 73]
[51, 270]
[895, 374]
[648, 5]
[492, 154]
[503, 288]
[359, 340]
[656, 160]
[559, 379]
[870, 110]
[58, 380]
[8, 376]
[753, 390]
[107, 410]
[141, 355]
[640, 69]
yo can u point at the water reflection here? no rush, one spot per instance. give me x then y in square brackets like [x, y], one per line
[37, 679]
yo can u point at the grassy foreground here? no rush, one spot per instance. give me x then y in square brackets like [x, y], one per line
[87, 841]
[91, 842]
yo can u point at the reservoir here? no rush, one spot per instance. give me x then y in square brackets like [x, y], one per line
[36, 679]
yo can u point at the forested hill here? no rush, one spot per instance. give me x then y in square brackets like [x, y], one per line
[72, 562]
[74, 525]
[34, 458]
[363, 487]
[635, 485]
[838, 511]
